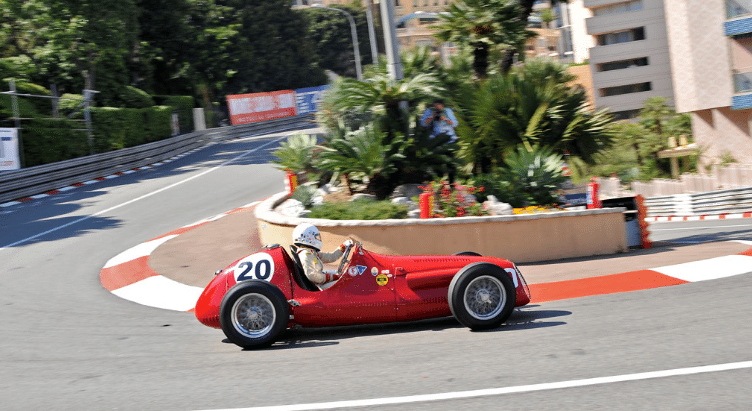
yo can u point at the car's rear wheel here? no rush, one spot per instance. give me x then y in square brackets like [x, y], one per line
[470, 253]
[253, 314]
[481, 296]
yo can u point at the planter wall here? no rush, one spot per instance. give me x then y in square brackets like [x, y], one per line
[519, 238]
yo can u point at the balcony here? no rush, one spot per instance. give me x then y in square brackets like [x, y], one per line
[742, 89]
[738, 8]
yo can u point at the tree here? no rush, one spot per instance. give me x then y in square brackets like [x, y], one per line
[533, 105]
[485, 26]
[526, 8]
[331, 36]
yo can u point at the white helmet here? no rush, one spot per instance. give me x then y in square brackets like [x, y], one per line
[307, 234]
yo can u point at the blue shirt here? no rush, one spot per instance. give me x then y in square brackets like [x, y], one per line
[439, 127]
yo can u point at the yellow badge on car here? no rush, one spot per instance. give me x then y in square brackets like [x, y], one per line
[382, 279]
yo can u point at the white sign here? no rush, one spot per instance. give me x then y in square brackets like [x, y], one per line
[9, 159]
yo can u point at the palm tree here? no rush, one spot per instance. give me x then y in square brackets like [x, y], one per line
[485, 26]
[531, 106]
[526, 8]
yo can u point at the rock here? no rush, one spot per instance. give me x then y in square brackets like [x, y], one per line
[413, 213]
[318, 200]
[325, 189]
[401, 200]
[292, 208]
[495, 207]
[363, 196]
[407, 190]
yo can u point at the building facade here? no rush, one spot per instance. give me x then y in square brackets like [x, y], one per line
[630, 59]
[711, 47]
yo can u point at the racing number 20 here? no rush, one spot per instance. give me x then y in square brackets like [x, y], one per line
[263, 270]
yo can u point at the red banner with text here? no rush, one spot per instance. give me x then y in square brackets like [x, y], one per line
[250, 108]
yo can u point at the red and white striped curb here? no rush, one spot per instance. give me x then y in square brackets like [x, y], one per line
[96, 180]
[129, 276]
[726, 216]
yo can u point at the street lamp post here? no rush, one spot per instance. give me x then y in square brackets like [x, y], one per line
[354, 32]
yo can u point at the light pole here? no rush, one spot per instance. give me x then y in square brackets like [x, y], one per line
[354, 32]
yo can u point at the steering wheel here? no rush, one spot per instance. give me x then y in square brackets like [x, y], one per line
[345, 254]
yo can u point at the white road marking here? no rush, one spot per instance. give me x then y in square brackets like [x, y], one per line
[710, 269]
[744, 242]
[161, 292]
[205, 220]
[700, 228]
[10, 203]
[38, 196]
[66, 188]
[25, 240]
[90, 182]
[141, 250]
[501, 391]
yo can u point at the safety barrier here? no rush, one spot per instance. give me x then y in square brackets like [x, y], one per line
[40, 179]
[735, 200]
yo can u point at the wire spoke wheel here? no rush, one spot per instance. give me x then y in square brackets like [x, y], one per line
[484, 297]
[253, 315]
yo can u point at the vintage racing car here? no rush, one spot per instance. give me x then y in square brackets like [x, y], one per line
[259, 296]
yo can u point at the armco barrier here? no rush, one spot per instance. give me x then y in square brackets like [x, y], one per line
[735, 200]
[39, 179]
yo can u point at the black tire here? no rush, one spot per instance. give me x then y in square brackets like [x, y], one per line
[471, 253]
[254, 313]
[482, 296]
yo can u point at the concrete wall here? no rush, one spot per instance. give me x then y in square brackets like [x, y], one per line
[722, 130]
[523, 238]
[700, 52]
[581, 40]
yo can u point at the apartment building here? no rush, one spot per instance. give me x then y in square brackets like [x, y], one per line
[711, 50]
[630, 58]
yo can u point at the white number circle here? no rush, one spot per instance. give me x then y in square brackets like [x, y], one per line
[259, 266]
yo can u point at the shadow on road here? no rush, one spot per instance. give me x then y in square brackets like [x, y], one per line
[34, 218]
[525, 318]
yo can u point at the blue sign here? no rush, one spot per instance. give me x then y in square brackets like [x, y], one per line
[308, 99]
[577, 198]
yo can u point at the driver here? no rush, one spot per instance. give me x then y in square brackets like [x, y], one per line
[307, 237]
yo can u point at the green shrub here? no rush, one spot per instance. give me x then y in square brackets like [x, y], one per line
[183, 105]
[157, 123]
[362, 209]
[116, 128]
[305, 194]
[135, 98]
[48, 140]
[296, 154]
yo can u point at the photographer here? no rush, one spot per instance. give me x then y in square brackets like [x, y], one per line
[441, 120]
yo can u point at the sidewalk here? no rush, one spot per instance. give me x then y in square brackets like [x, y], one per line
[170, 271]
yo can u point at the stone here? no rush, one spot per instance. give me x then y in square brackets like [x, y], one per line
[413, 213]
[318, 200]
[495, 207]
[407, 190]
[292, 208]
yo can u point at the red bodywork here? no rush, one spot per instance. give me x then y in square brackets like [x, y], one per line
[374, 289]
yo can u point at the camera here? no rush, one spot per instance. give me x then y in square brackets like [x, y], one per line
[437, 114]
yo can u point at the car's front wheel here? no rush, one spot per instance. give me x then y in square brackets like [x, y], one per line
[253, 314]
[482, 296]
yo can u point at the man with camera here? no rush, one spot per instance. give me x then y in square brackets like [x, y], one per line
[441, 120]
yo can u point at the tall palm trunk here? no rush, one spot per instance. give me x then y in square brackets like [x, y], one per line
[526, 8]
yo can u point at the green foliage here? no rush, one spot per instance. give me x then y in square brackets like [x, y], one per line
[116, 128]
[453, 200]
[305, 194]
[70, 103]
[533, 105]
[330, 33]
[47, 141]
[485, 27]
[297, 153]
[135, 98]
[182, 104]
[527, 178]
[361, 154]
[361, 209]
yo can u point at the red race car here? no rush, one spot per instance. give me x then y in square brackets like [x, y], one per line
[256, 298]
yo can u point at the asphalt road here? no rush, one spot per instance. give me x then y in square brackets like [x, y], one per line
[66, 343]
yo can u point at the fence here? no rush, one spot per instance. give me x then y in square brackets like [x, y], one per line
[727, 190]
[39, 179]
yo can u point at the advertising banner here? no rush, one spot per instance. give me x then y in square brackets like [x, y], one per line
[250, 108]
[9, 159]
[308, 99]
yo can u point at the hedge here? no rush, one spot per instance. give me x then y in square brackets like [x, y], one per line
[183, 105]
[49, 140]
[116, 128]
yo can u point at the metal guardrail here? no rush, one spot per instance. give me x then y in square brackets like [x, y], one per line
[733, 200]
[39, 179]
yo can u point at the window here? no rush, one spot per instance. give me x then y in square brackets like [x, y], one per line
[621, 36]
[623, 64]
[626, 89]
[626, 114]
[633, 5]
